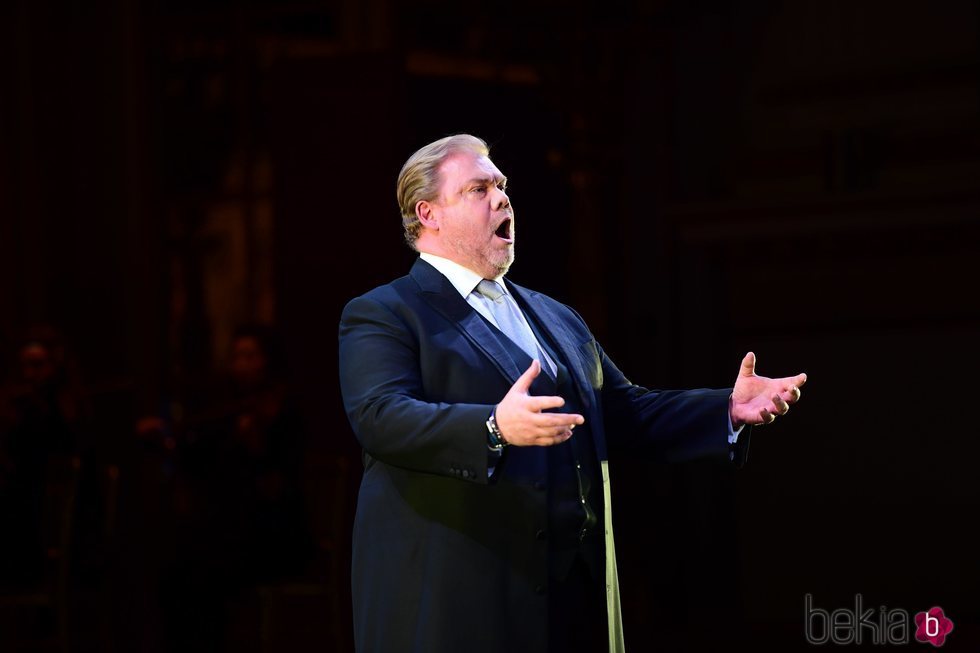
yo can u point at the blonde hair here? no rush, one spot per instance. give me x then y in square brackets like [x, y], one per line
[419, 178]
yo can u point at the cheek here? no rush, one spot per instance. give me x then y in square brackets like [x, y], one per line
[469, 227]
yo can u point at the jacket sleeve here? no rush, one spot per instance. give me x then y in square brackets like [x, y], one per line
[381, 383]
[670, 425]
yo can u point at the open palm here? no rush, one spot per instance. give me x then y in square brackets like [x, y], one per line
[759, 399]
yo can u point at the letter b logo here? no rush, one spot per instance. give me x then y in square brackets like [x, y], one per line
[933, 626]
[813, 615]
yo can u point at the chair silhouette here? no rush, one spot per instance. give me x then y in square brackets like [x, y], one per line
[313, 605]
[50, 594]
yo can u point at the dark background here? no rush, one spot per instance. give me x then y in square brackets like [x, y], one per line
[699, 179]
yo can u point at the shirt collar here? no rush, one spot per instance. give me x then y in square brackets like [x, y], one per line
[463, 279]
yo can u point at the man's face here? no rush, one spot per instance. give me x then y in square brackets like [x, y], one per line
[36, 364]
[476, 221]
[248, 362]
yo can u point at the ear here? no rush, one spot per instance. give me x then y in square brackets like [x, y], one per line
[427, 214]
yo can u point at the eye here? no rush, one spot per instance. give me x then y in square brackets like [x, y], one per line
[479, 189]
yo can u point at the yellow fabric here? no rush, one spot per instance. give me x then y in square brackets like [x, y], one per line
[617, 643]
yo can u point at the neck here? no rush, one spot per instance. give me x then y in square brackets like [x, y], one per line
[426, 243]
[449, 256]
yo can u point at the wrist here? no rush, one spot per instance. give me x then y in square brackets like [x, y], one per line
[735, 422]
[495, 439]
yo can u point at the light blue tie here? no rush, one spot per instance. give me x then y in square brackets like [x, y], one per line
[512, 323]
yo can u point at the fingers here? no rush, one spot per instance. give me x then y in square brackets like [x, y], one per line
[545, 433]
[780, 405]
[748, 365]
[550, 439]
[537, 404]
[791, 386]
[791, 391]
[523, 384]
[564, 436]
[552, 421]
[523, 425]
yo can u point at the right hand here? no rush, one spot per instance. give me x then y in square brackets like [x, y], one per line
[521, 421]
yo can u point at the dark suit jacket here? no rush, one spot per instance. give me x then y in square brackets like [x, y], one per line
[445, 557]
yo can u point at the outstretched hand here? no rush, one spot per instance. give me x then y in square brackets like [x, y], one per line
[521, 421]
[759, 399]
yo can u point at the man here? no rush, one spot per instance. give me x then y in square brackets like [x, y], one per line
[486, 412]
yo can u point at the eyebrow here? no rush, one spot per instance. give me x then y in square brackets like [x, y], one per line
[485, 181]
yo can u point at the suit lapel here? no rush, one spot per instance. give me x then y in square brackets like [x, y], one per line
[444, 298]
[554, 326]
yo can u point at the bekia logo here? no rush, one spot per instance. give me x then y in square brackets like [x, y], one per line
[932, 626]
[882, 626]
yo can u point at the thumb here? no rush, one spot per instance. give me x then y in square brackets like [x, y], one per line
[748, 365]
[523, 384]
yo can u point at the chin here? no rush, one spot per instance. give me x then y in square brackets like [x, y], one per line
[503, 268]
[497, 263]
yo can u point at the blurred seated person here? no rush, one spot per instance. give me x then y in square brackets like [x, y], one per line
[41, 415]
[241, 518]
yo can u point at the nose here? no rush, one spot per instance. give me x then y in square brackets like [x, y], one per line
[501, 201]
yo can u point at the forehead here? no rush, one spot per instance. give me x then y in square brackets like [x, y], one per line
[34, 350]
[463, 167]
[247, 343]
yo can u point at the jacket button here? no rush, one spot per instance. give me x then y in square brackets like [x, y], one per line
[541, 535]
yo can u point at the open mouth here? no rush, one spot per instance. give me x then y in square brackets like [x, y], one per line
[505, 231]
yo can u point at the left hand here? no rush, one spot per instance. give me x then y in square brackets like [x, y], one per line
[759, 399]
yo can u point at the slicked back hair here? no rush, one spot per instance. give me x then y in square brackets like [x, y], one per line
[419, 178]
